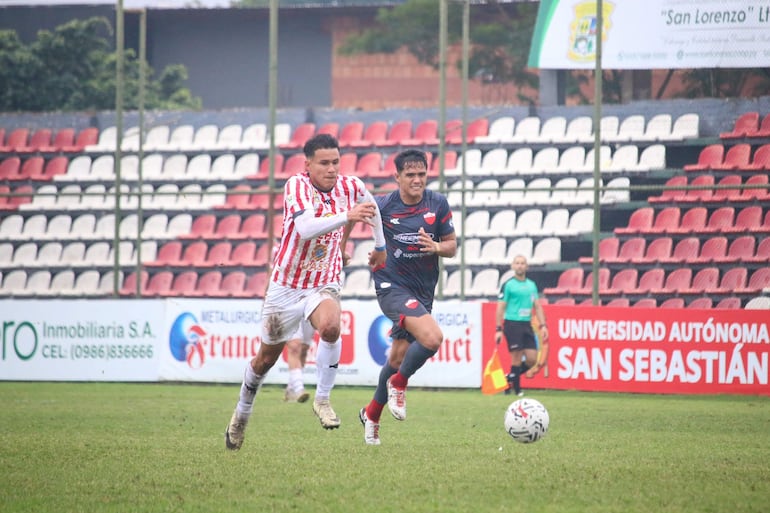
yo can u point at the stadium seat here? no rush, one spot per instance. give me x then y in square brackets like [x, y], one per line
[701, 302]
[183, 284]
[762, 253]
[231, 285]
[608, 127]
[732, 279]
[494, 162]
[686, 250]
[523, 246]
[16, 139]
[330, 128]
[571, 160]
[764, 127]
[706, 280]
[759, 280]
[658, 128]
[579, 130]
[757, 193]
[555, 222]
[552, 130]
[749, 220]
[299, 136]
[603, 282]
[640, 220]
[527, 130]
[425, 133]
[38, 283]
[500, 131]
[653, 157]
[710, 250]
[623, 282]
[519, 162]
[710, 156]
[40, 138]
[484, 284]
[619, 302]
[564, 191]
[731, 191]
[545, 160]
[741, 249]
[208, 285]
[657, 249]
[675, 280]
[370, 166]
[374, 133]
[729, 303]
[607, 251]
[631, 249]
[666, 221]
[202, 227]
[476, 128]
[218, 255]
[737, 157]
[168, 254]
[254, 137]
[350, 133]
[647, 302]
[630, 129]
[746, 125]
[652, 279]
[699, 195]
[672, 302]
[398, 131]
[226, 226]
[129, 284]
[569, 279]
[758, 303]
[719, 220]
[693, 221]
[547, 250]
[14, 282]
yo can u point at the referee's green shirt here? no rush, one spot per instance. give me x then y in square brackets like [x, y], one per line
[519, 296]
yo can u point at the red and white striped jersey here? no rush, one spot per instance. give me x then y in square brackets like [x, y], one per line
[314, 262]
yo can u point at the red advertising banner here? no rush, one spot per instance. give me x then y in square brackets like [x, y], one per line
[668, 351]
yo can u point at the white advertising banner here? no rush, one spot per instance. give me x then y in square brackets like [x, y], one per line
[80, 340]
[211, 341]
[652, 34]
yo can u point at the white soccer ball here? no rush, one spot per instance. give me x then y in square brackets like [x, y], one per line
[526, 420]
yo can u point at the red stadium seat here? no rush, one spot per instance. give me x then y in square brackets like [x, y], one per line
[764, 127]
[236, 198]
[232, 284]
[218, 255]
[193, 255]
[732, 279]
[747, 124]
[673, 302]
[426, 133]
[686, 250]
[760, 279]
[676, 280]
[476, 128]
[729, 303]
[16, 139]
[9, 168]
[658, 249]
[630, 249]
[670, 193]
[256, 285]
[32, 168]
[693, 221]
[64, 138]
[720, 220]
[707, 279]
[737, 157]
[351, 132]
[40, 138]
[86, 137]
[667, 220]
[696, 195]
[711, 249]
[569, 279]
[741, 249]
[619, 302]
[733, 193]
[330, 128]
[253, 227]
[701, 302]
[227, 226]
[261, 255]
[762, 253]
[202, 227]
[183, 285]
[761, 159]
[756, 194]
[748, 219]
[299, 137]
[375, 134]
[169, 254]
[640, 220]
[623, 282]
[22, 195]
[208, 285]
[608, 251]
[243, 254]
[651, 279]
[603, 282]
[565, 301]
[450, 162]
[159, 284]
[646, 302]
[709, 156]
[129, 284]
[54, 167]
[348, 164]
[370, 165]
[399, 131]
[293, 165]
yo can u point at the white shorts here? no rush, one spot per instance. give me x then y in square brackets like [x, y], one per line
[285, 310]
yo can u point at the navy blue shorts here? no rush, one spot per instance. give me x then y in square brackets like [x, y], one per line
[398, 304]
[519, 335]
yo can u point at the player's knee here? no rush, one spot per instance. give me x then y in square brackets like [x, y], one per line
[329, 333]
[433, 340]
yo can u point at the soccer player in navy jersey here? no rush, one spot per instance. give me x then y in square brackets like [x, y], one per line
[306, 280]
[418, 230]
[517, 302]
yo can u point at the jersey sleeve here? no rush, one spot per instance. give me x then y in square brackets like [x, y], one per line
[297, 196]
[446, 225]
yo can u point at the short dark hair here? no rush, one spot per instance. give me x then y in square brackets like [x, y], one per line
[320, 142]
[407, 156]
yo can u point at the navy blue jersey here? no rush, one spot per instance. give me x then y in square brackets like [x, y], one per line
[407, 267]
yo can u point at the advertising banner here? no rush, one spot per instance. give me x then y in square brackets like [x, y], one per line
[670, 351]
[652, 34]
[79, 340]
[211, 341]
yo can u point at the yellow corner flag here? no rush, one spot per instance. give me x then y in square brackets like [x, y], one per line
[493, 380]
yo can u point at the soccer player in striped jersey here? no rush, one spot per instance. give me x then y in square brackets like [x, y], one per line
[305, 281]
[418, 230]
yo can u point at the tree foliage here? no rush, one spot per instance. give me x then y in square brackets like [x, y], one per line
[726, 83]
[72, 68]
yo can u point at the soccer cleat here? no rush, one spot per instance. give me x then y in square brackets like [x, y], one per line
[396, 401]
[325, 413]
[290, 396]
[520, 393]
[235, 432]
[371, 428]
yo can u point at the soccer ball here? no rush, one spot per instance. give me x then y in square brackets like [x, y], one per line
[526, 420]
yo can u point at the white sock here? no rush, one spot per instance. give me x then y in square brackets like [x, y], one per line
[295, 380]
[327, 359]
[249, 388]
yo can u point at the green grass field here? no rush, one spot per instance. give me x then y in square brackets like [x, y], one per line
[153, 448]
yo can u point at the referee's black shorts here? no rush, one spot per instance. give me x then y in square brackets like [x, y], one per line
[519, 335]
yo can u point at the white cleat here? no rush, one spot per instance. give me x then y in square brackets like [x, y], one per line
[290, 396]
[325, 413]
[235, 432]
[371, 428]
[396, 401]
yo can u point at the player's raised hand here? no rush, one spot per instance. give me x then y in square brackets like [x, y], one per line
[362, 212]
[427, 242]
